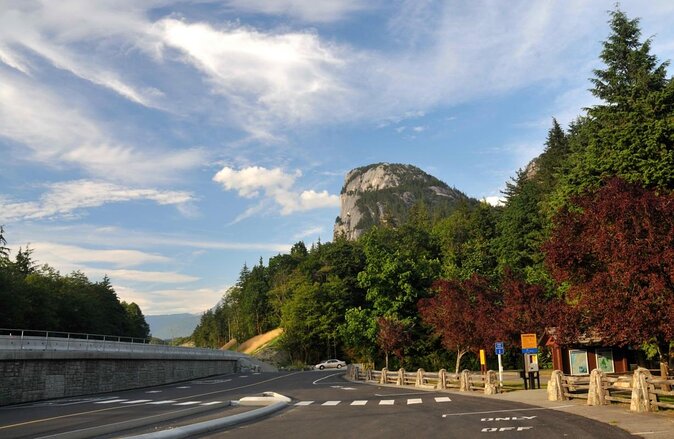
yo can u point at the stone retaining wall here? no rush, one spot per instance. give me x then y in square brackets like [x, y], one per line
[28, 380]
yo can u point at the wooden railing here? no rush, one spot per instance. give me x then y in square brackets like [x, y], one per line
[465, 381]
[643, 391]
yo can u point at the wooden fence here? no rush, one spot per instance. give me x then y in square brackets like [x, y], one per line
[643, 391]
[465, 381]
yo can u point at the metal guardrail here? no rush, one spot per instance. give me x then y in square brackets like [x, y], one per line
[20, 340]
[74, 335]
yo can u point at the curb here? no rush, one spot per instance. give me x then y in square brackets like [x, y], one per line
[271, 402]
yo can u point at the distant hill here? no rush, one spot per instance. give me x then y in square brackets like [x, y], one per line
[172, 325]
[386, 191]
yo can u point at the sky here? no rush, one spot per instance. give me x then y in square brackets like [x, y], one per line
[166, 143]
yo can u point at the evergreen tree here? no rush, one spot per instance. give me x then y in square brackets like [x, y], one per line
[631, 134]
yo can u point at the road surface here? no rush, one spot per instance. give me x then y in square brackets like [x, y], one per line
[323, 404]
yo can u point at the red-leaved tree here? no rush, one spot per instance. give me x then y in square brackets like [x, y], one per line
[462, 314]
[615, 249]
[524, 308]
[391, 337]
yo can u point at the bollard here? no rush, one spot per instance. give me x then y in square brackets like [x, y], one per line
[382, 379]
[595, 395]
[464, 381]
[442, 379]
[555, 389]
[491, 383]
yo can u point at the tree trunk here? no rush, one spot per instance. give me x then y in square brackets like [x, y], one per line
[459, 354]
[663, 354]
[386, 353]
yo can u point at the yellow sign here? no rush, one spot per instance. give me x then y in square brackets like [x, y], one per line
[529, 341]
[483, 359]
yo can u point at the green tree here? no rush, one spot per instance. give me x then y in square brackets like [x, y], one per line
[631, 134]
[136, 324]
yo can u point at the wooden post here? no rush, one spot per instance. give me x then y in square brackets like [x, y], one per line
[420, 377]
[595, 395]
[442, 379]
[382, 378]
[555, 388]
[401, 377]
[464, 381]
[491, 383]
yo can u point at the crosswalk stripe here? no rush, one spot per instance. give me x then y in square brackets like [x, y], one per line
[137, 401]
[331, 402]
[168, 401]
[110, 401]
[414, 401]
[305, 403]
[188, 403]
[387, 402]
[359, 402]
[212, 403]
[442, 399]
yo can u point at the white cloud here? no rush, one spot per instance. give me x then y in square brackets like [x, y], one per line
[495, 200]
[148, 276]
[66, 198]
[70, 254]
[269, 80]
[275, 185]
[171, 301]
[310, 232]
[50, 29]
[59, 135]
[307, 10]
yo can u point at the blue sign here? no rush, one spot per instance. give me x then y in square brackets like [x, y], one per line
[500, 350]
[530, 351]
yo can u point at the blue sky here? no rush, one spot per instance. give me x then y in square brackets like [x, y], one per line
[165, 143]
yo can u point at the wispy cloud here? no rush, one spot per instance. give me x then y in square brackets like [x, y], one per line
[67, 198]
[276, 185]
[268, 79]
[56, 134]
[306, 10]
[71, 254]
[172, 300]
[310, 232]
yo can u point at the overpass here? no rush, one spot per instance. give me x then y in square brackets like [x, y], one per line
[38, 365]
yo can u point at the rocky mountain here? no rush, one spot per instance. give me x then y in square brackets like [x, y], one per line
[384, 192]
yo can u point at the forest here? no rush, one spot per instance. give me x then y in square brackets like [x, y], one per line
[40, 298]
[584, 243]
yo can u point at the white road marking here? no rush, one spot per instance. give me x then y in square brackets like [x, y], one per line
[243, 376]
[359, 402]
[442, 399]
[414, 401]
[331, 402]
[183, 387]
[110, 401]
[495, 429]
[504, 411]
[321, 379]
[402, 394]
[212, 403]
[137, 401]
[168, 401]
[188, 403]
[153, 391]
[387, 402]
[305, 403]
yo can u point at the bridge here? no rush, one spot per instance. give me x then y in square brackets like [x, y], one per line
[39, 365]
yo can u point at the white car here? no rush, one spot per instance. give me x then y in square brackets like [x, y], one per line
[330, 364]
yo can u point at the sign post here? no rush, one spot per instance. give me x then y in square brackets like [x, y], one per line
[530, 353]
[483, 361]
[498, 347]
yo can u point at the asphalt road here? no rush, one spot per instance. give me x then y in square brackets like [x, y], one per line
[324, 405]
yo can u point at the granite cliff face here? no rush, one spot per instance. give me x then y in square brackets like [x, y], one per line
[384, 192]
